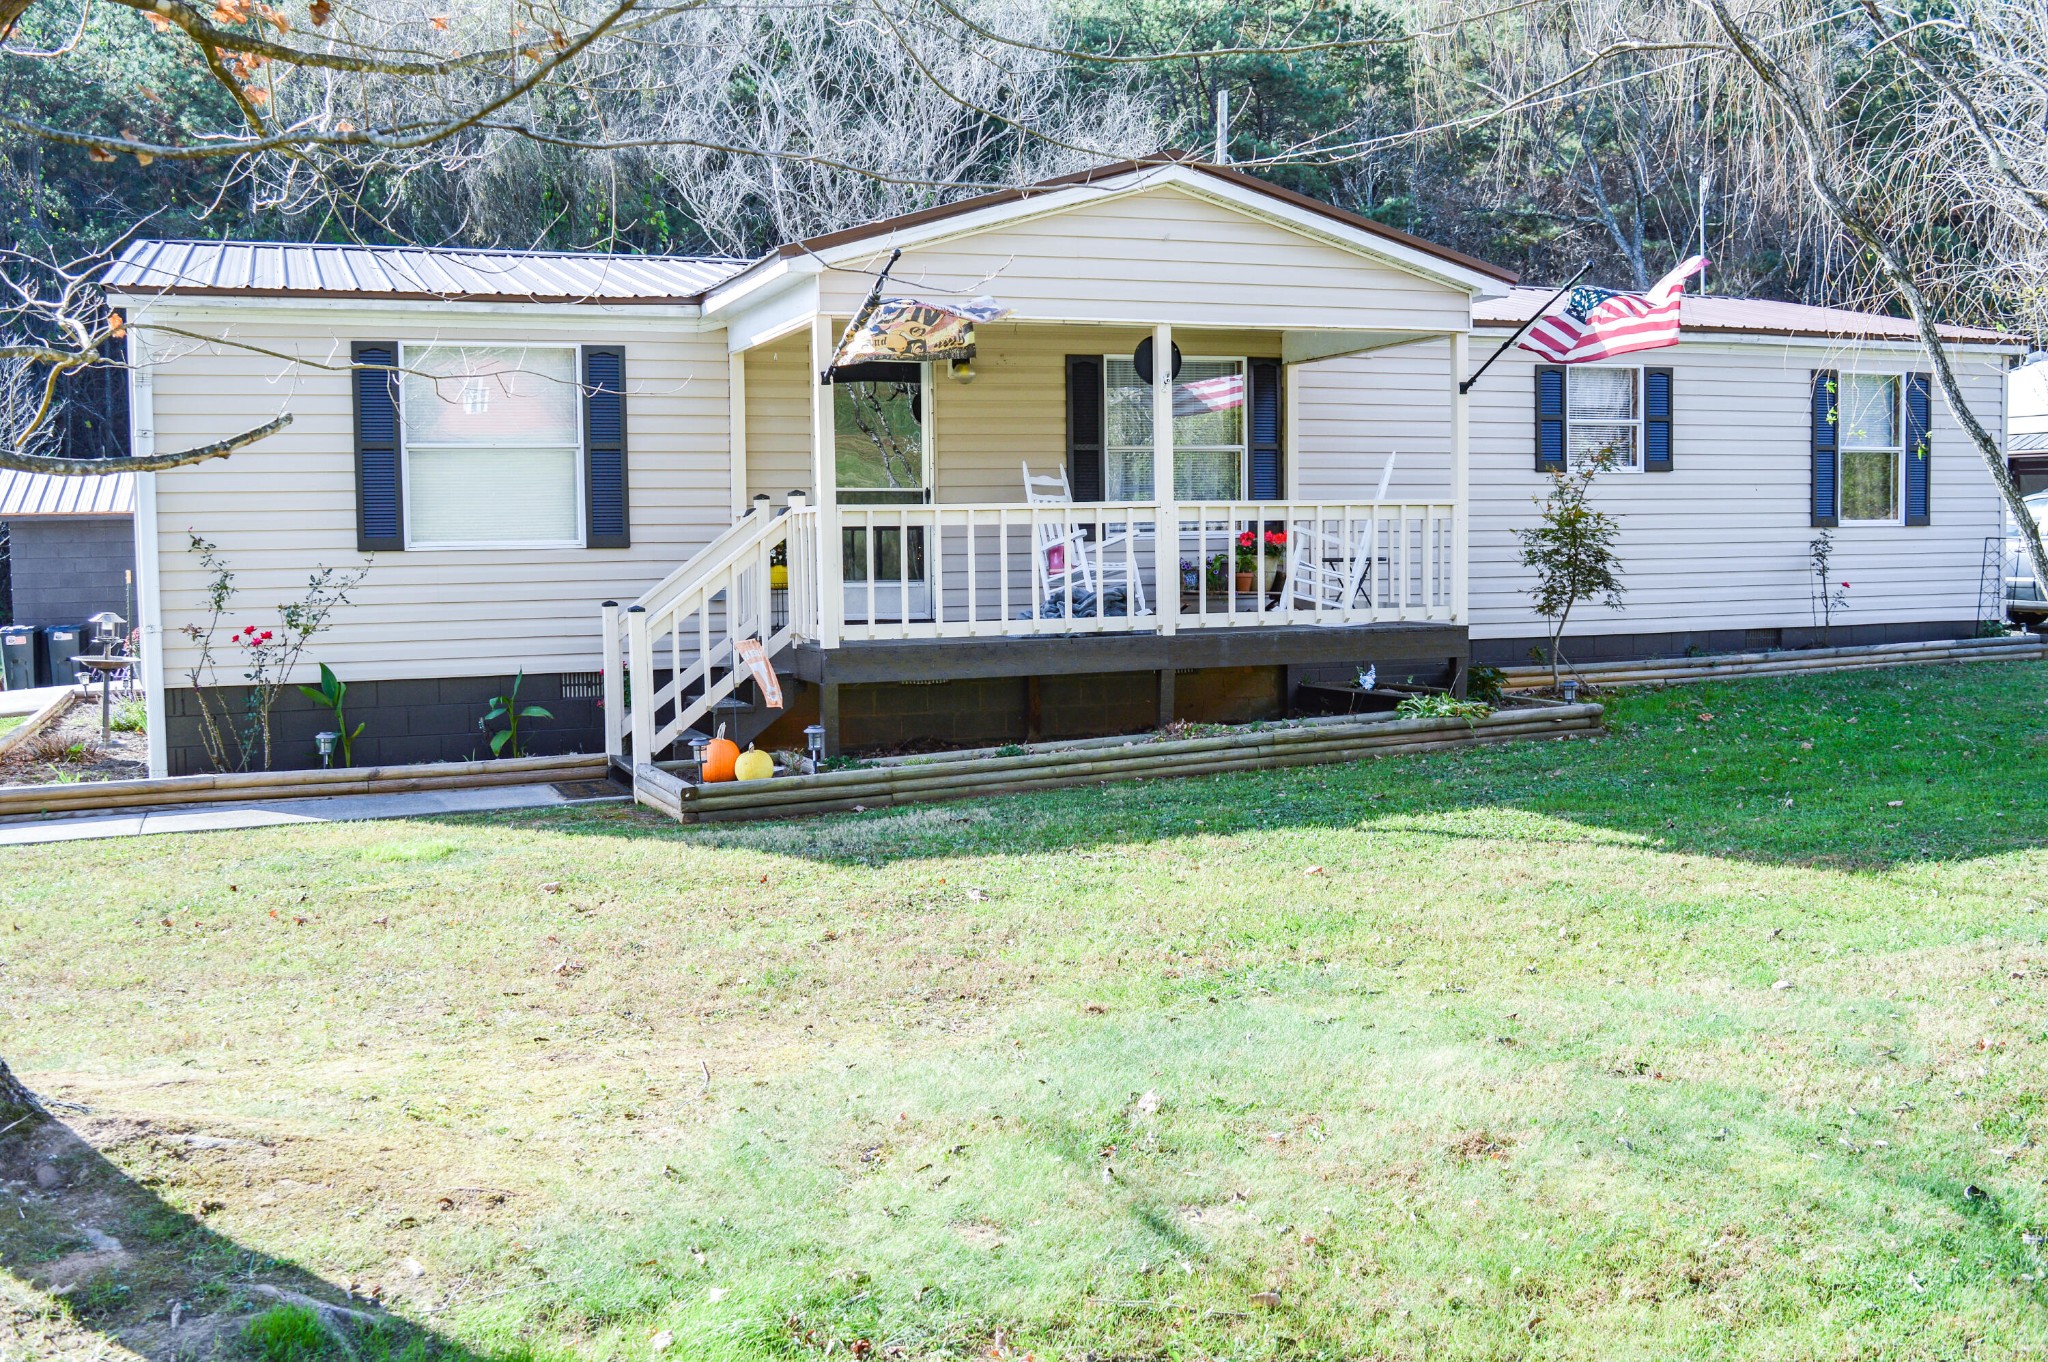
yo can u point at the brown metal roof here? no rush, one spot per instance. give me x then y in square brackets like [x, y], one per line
[1752, 317]
[939, 213]
[271, 269]
[25, 496]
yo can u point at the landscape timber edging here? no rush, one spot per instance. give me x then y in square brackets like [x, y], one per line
[38, 721]
[108, 796]
[1789, 662]
[936, 779]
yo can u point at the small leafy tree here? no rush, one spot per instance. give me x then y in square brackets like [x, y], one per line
[1571, 551]
[1828, 597]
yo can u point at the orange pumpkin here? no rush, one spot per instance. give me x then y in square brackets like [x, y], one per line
[720, 756]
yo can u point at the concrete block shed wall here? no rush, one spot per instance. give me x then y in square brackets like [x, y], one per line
[66, 569]
[403, 721]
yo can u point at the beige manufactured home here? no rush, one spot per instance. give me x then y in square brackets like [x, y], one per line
[608, 472]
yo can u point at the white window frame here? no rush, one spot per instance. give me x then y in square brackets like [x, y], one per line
[1571, 371]
[927, 393]
[405, 447]
[1244, 442]
[1897, 449]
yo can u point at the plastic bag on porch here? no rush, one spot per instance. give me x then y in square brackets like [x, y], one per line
[1115, 601]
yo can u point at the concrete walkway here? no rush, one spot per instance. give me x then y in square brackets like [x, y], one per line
[29, 701]
[273, 813]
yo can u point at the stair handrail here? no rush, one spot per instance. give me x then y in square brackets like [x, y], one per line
[742, 547]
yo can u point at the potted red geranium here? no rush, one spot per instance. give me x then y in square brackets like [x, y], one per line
[1248, 556]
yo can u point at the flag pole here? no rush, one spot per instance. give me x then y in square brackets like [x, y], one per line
[867, 308]
[1538, 315]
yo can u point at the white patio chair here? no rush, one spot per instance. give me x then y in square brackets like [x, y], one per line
[1063, 552]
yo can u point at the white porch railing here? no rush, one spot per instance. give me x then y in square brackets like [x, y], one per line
[687, 629]
[1008, 570]
[971, 571]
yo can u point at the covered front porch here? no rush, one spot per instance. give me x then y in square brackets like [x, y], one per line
[920, 524]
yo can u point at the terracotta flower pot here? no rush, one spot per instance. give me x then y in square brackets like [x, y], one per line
[1244, 583]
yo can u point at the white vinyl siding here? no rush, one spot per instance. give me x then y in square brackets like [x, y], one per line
[1164, 255]
[287, 505]
[1721, 542]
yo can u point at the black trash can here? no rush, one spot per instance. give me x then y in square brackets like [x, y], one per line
[21, 652]
[61, 643]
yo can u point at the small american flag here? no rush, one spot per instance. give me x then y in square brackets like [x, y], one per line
[1597, 323]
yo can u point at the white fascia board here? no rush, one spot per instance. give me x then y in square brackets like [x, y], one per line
[770, 314]
[688, 316]
[760, 280]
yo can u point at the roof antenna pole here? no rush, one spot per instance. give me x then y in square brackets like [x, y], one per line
[1534, 317]
[1223, 125]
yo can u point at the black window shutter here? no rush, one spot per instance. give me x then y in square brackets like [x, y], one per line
[380, 523]
[1084, 426]
[1549, 418]
[1268, 476]
[604, 446]
[1656, 420]
[1826, 498]
[1919, 446]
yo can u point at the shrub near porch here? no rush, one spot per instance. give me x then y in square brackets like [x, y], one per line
[1718, 1037]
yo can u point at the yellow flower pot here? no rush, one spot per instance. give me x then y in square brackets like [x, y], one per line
[778, 577]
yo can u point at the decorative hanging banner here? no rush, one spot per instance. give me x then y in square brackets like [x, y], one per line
[756, 659]
[906, 331]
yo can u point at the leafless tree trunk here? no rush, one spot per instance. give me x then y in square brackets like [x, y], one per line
[18, 1106]
[1831, 171]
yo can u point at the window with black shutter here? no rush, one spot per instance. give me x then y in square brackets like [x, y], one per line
[1826, 499]
[1268, 474]
[380, 526]
[604, 447]
[1084, 426]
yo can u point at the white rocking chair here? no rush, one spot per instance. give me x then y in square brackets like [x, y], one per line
[1062, 555]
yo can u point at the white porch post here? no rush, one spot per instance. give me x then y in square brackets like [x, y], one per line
[148, 565]
[825, 482]
[1461, 482]
[736, 405]
[1290, 431]
[1167, 535]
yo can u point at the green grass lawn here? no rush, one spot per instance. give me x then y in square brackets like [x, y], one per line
[9, 722]
[1721, 1036]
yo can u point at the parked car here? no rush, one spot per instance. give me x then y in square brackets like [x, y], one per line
[2025, 600]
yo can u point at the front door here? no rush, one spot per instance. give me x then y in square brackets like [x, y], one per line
[884, 459]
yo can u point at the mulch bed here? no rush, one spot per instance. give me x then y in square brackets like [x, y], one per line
[70, 750]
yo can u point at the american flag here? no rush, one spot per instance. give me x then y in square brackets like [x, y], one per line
[1598, 323]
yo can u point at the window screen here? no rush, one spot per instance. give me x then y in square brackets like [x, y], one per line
[1208, 431]
[1603, 415]
[1867, 410]
[493, 449]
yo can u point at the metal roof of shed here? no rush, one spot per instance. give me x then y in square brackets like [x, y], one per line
[25, 496]
[1752, 317]
[274, 269]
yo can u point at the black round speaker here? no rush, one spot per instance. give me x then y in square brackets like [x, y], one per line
[1141, 360]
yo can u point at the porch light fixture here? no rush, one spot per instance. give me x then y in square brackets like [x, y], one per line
[325, 742]
[961, 369]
